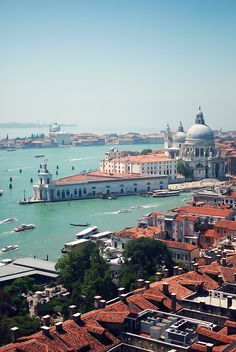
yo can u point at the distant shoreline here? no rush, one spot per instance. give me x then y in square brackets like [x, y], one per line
[29, 125]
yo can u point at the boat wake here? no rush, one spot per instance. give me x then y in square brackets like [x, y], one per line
[147, 206]
[79, 159]
[5, 221]
[18, 168]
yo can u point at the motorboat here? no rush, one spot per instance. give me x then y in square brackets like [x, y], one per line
[24, 227]
[165, 193]
[11, 247]
[82, 225]
[5, 221]
[39, 156]
[123, 211]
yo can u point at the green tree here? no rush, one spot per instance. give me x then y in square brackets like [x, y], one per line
[26, 325]
[184, 169]
[145, 151]
[142, 258]
[85, 274]
[181, 263]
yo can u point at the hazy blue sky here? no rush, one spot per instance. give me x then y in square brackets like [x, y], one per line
[118, 65]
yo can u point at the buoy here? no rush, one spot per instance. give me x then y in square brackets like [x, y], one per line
[38, 171]
[31, 180]
[73, 167]
[10, 186]
[10, 179]
[40, 166]
[20, 171]
[57, 167]
[56, 172]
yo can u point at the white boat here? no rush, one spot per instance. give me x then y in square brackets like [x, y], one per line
[24, 227]
[87, 233]
[11, 247]
[164, 193]
[4, 221]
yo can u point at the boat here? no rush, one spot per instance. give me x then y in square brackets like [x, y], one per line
[11, 247]
[5, 221]
[123, 211]
[11, 149]
[39, 156]
[24, 227]
[165, 193]
[82, 225]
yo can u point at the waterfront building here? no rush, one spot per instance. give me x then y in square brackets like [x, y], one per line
[94, 184]
[197, 148]
[155, 163]
[59, 137]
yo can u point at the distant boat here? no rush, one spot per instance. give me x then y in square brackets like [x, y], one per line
[165, 193]
[123, 211]
[82, 225]
[11, 247]
[13, 149]
[7, 220]
[24, 227]
[39, 156]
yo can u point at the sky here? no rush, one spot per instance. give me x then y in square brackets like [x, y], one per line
[127, 65]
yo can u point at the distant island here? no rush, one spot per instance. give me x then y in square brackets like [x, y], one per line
[29, 125]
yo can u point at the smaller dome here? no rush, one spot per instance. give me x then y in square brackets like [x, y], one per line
[179, 137]
[55, 127]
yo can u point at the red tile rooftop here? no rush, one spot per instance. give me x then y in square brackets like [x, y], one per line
[148, 158]
[97, 175]
[226, 224]
[179, 245]
[205, 210]
[138, 232]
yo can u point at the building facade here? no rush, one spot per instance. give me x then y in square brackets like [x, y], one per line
[93, 184]
[197, 148]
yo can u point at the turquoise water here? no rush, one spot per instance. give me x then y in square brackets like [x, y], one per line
[52, 219]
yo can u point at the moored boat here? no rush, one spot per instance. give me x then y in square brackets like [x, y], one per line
[82, 225]
[24, 227]
[165, 193]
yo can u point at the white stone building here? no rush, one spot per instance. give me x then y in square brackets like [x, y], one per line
[197, 148]
[150, 164]
[93, 184]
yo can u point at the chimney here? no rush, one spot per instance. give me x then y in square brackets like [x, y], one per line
[224, 254]
[166, 288]
[229, 301]
[121, 290]
[96, 301]
[166, 272]
[224, 262]
[14, 333]
[180, 270]
[173, 302]
[102, 303]
[45, 329]
[72, 310]
[140, 283]
[220, 279]
[46, 320]
[158, 276]
[77, 318]
[175, 270]
[195, 267]
[59, 327]
[209, 347]
[147, 284]
[192, 264]
[123, 297]
[218, 258]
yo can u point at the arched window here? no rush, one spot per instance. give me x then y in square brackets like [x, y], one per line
[197, 152]
[63, 194]
[58, 193]
[75, 192]
[199, 165]
[202, 152]
[84, 190]
[67, 192]
[80, 192]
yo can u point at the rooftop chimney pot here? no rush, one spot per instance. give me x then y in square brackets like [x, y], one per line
[59, 326]
[14, 333]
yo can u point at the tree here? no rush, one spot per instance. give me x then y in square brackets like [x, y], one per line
[145, 151]
[142, 258]
[184, 169]
[85, 274]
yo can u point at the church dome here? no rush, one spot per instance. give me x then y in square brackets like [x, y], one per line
[179, 137]
[55, 127]
[199, 131]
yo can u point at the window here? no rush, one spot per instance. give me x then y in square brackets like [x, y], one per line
[58, 193]
[67, 192]
[75, 192]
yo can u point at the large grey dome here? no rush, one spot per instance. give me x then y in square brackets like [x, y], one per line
[200, 132]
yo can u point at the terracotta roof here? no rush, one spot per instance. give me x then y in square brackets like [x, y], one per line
[206, 210]
[96, 176]
[179, 245]
[148, 158]
[226, 224]
[217, 336]
[138, 232]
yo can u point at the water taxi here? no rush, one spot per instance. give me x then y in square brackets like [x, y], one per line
[24, 227]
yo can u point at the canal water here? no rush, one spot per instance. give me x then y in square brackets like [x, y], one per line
[52, 220]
